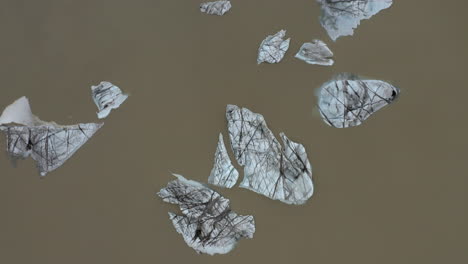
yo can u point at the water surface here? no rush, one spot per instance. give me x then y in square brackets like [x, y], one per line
[390, 191]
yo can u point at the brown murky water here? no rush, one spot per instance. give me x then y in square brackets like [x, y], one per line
[390, 191]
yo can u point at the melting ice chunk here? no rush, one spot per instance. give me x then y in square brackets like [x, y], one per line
[273, 48]
[348, 100]
[48, 143]
[223, 173]
[215, 8]
[315, 52]
[207, 224]
[107, 96]
[341, 17]
[280, 173]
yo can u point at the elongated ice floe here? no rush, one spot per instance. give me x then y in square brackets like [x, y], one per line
[347, 100]
[215, 8]
[340, 18]
[207, 224]
[273, 48]
[223, 173]
[107, 96]
[280, 173]
[315, 52]
[48, 143]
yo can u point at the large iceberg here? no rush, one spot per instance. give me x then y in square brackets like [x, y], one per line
[341, 17]
[347, 100]
[207, 224]
[279, 172]
[48, 143]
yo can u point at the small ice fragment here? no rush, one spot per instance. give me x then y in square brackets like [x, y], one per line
[315, 52]
[207, 224]
[340, 18]
[347, 100]
[223, 173]
[107, 96]
[273, 48]
[279, 172]
[48, 143]
[215, 8]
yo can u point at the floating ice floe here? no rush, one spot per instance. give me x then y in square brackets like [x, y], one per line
[48, 143]
[223, 173]
[348, 100]
[208, 225]
[215, 8]
[280, 173]
[107, 96]
[315, 52]
[273, 48]
[340, 18]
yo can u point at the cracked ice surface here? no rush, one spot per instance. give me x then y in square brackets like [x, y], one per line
[48, 143]
[223, 173]
[208, 225]
[341, 17]
[107, 96]
[273, 48]
[316, 52]
[348, 100]
[280, 173]
[215, 8]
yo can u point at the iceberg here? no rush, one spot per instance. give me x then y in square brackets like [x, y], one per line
[347, 100]
[207, 224]
[273, 48]
[341, 17]
[281, 173]
[316, 52]
[215, 8]
[48, 143]
[107, 96]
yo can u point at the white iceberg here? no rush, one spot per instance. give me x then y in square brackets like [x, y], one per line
[280, 173]
[48, 143]
[107, 96]
[273, 48]
[348, 100]
[207, 224]
[341, 17]
[316, 52]
[215, 8]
